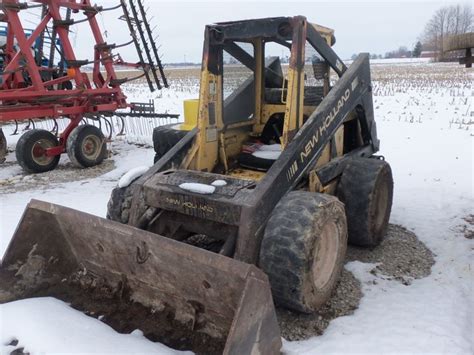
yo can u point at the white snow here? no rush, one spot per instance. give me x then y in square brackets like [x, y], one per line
[54, 327]
[219, 183]
[396, 61]
[270, 147]
[198, 188]
[268, 151]
[425, 127]
[132, 175]
[267, 154]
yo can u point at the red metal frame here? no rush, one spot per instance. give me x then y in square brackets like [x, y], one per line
[22, 100]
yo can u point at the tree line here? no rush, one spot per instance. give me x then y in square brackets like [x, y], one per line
[446, 21]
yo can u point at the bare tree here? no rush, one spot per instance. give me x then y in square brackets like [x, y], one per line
[447, 21]
[466, 19]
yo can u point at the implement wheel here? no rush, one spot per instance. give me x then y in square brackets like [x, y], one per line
[86, 146]
[3, 146]
[303, 249]
[366, 189]
[31, 151]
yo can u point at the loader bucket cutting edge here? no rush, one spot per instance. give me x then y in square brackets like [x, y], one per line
[177, 294]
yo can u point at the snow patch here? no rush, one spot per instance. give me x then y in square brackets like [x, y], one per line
[268, 151]
[270, 147]
[219, 183]
[132, 175]
[54, 327]
[195, 187]
[267, 154]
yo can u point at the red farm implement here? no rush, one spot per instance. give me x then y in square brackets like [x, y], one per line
[33, 87]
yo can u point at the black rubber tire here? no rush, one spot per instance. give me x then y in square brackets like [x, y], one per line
[118, 207]
[156, 158]
[3, 146]
[165, 138]
[25, 155]
[366, 189]
[82, 137]
[300, 227]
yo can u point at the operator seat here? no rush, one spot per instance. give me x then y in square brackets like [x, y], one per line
[263, 152]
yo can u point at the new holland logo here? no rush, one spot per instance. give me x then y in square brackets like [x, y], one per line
[189, 205]
[313, 141]
[291, 172]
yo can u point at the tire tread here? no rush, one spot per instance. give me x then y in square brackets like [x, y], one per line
[287, 247]
[356, 190]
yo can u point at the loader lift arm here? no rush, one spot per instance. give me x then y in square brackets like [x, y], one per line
[352, 90]
[351, 93]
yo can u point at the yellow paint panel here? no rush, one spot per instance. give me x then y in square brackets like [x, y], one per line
[325, 156]
[191, 109]
[246, 174]
[339, 136]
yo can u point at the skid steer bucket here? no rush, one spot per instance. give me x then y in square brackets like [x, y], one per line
[177, 294]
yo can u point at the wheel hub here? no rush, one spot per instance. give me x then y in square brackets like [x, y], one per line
[381, 205]
[325, 255]
[38, 152]
[91, 147]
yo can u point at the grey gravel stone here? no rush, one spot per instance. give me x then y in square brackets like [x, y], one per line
[401, 257]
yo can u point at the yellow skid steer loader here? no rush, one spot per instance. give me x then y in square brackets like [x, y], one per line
[254, 205]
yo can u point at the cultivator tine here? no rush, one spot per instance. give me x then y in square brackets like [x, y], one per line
[132, 126]
[143, 125]
[15, 132]
[35, 67]
[99, 122]
[149, 32]
[30, 125]
[138, 25]
[102, 122]
[108, 127]
[122, 126]
[131, 27]
[55, 129]
[142, 35]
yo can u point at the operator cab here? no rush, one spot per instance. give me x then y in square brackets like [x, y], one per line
[263, 83]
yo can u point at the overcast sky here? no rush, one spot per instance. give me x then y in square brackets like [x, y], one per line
[370, 26]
